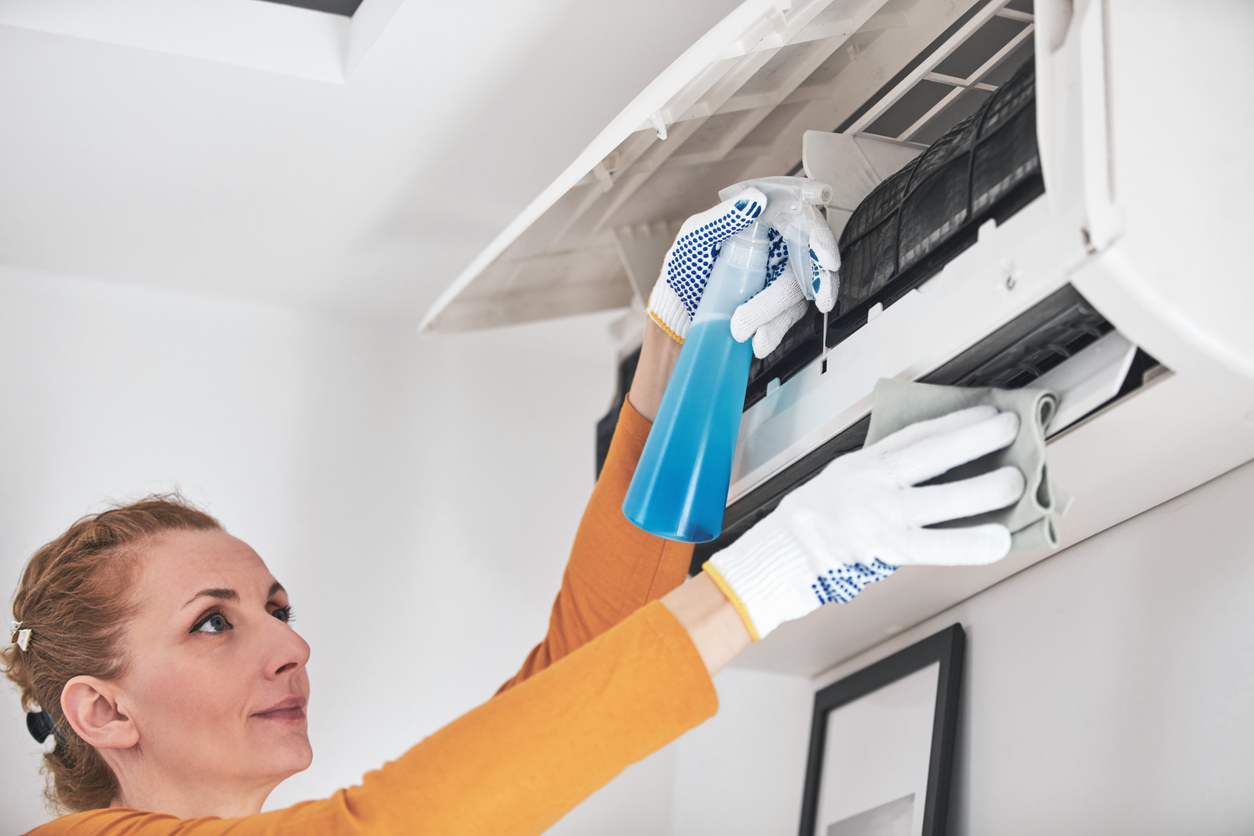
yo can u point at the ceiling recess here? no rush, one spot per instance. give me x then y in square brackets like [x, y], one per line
[335, 7]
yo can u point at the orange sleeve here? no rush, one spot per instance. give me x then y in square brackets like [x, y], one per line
[512, 766]
[614, 567]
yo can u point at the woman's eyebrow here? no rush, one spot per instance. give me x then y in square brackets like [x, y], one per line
[231, 594]
[220, 594]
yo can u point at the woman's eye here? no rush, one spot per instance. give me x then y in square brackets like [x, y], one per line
[283, 614]
[213, 623]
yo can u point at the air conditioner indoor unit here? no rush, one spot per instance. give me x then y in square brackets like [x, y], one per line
[1049, 194]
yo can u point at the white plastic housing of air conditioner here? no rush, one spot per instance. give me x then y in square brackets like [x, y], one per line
[1149, 190]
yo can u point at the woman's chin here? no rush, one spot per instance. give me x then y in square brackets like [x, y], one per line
[287, 757]
[301, 756]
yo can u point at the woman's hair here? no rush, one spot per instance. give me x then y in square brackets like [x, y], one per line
[74, 596]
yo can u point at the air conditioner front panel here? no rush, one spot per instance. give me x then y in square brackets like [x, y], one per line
[1164, 439]
[733, 107]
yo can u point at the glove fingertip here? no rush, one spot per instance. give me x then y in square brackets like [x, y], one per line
[750, 203]
[1010, 425]
[825, 293]
[1012, 483]
[741, 329]
[762, 344]
[994, 541]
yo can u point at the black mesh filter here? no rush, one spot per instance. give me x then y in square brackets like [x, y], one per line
[999, 167]
[952, 187]
[911, 225]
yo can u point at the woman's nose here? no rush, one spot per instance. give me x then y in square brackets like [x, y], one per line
[288, 651]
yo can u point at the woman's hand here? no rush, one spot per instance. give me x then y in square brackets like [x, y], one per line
[768, 315]
[686, 268]
[765, 318]
[862, 517]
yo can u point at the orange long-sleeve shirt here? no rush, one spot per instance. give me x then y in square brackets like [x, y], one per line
[614, 567]
[630, 681]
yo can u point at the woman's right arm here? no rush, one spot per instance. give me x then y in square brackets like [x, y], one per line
[711, 621]
[520, 761]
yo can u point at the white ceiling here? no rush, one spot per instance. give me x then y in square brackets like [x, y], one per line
[364, 198]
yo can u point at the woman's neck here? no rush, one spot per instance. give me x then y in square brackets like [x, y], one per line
[188, 802]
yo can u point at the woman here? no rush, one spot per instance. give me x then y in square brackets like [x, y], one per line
[155, 648]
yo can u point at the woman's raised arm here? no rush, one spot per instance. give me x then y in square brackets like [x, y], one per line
[657, 360]
[615, 568]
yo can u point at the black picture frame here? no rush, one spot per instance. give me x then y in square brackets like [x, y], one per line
[947, 648]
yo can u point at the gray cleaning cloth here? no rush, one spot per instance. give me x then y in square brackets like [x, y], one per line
[1031, 522]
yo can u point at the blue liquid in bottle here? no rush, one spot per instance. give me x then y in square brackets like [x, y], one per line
[679, 490]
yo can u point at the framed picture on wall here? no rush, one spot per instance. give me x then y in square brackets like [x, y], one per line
[882, 744]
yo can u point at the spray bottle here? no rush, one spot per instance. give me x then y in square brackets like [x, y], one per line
[679, 490]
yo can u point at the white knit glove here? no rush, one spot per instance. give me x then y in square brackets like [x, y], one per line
[768, 315]
[686, 270]
[861, 518]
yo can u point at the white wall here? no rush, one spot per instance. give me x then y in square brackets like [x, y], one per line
[417, 498]
[1108, 690]
[742, 771]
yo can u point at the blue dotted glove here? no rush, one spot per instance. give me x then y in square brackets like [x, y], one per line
[686, 270]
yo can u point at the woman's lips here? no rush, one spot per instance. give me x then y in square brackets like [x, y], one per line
[289, 710]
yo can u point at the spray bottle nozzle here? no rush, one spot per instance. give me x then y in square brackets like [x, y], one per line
[789, 191]
[790, 209]
[815, 193]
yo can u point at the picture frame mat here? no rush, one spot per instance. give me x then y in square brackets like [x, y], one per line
[946, 647]
[877, 752]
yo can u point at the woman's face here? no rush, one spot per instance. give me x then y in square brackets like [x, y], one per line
[216, 682]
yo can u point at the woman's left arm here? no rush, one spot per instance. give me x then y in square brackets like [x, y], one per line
[615, 568]
[658, 356]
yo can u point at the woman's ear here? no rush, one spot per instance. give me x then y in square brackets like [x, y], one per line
[90, 706]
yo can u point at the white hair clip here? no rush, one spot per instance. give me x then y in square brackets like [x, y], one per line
[22, 639]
